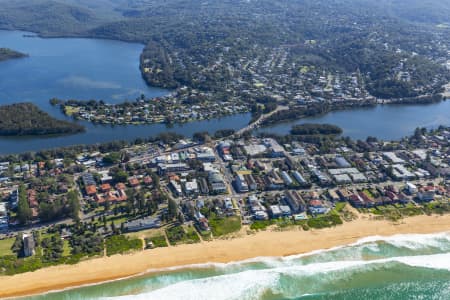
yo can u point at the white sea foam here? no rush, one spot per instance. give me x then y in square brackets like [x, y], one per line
[251, 284]
[411, 241]
[239, 279]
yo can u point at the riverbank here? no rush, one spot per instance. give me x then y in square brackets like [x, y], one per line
[446, 93]
[267, 243]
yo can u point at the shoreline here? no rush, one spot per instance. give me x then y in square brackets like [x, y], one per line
[261, 244]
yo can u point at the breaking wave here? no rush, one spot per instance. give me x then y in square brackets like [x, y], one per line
[396, 262]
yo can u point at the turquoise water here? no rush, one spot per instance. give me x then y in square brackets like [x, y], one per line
[397, 267]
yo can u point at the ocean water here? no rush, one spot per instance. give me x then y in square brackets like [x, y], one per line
[396, 267]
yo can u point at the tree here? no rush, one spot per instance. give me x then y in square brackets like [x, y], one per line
[172, 210]
[18, 244]
[120, 176]
[24, 213]
[74, 205]
[201, 137]
[155, 179]
[111, 158]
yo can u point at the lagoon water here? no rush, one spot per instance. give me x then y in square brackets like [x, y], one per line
[109, 70]
[395, 268]
[388, 122]
[74, 68]
[401, 267]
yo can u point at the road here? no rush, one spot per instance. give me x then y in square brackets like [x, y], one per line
[260, 120]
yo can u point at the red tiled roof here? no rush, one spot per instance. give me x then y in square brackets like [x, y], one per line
[91, 189]
[315, 203]
[105, 187]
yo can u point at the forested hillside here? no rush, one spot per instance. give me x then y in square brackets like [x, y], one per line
[28, 119]
[395, 48]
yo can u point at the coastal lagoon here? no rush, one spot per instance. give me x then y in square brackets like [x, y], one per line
[71, 68]
[398, 267]
[388, 122]
[84, 69]
[77, 68]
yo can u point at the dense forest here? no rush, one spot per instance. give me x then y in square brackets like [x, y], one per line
[6, 54]
[316, 129]
[27, 119]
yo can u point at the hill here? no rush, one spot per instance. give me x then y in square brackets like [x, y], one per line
[50, 18]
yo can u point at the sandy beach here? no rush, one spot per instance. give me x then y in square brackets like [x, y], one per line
[266, 243]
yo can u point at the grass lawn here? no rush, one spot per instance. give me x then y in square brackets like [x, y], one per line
[146, 234]
[5, 246]
[70, 110]
[340, 206]
[192, 235]
[368, 194]
[122, 244]
[66, 248]
[223, 226]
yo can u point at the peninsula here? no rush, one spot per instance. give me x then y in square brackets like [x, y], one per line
[7, 54]
[27, 119]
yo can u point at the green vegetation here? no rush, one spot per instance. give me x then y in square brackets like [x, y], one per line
[315, 129]
[112, 158]
[329, 220]
[261, 225]
[181, 52]
[178, 235]
[87, 244]
[222, 226]
[6, 247]
[223, 133]
[121, 244]
[295, 113]
[28, 119]
[10, 265]
[436, 208]
[191, 235]
[399, 211]
[6, 54]
[23, 210]
[339, 207]
[157, 241]
[52, 248]
[49, 18]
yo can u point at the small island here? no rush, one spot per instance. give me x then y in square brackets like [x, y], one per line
[316, 129]
[27, 119]
[7, 54]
